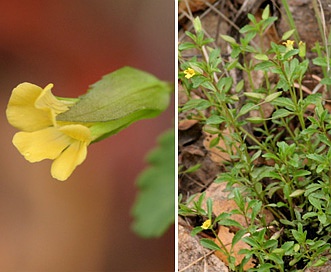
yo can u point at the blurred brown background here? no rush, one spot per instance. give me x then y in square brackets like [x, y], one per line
[82, 224]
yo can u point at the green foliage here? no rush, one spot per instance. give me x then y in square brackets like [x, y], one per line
[119, 99]
[294, 144]
[154, 209]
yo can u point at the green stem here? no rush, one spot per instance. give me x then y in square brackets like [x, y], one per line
[221, 243]
[291, 20]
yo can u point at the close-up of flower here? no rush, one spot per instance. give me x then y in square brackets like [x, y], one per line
[82, 111]
[289, 45]
[33, 110]
[206, 224]
[189, 72]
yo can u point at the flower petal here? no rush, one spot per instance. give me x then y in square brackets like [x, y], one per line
[75, 154]
[47, 100]
[70, 158]
[43, 144]
[77, 132]
[21, 111]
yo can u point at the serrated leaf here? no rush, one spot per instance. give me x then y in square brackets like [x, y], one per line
[154, 209]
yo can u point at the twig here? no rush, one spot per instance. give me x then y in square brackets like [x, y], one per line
[196, 261]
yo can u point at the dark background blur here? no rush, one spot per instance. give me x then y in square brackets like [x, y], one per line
[82, 224]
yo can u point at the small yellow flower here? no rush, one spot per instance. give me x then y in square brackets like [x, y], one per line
[206, 224]
[33, 110]
[289, 45]
[189, 72]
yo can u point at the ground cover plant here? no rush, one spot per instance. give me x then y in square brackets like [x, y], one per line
[274, 139]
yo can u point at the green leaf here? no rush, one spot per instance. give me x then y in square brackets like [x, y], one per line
[192, 169]
[320, 61]
[301, 173]
[261, 57]
[185, 46]
[288, 34]
[215, 120]
[326, 81]
[281, 113]
[284, 102]
[316, 157]
[240, 86]
[229, 39]
[290, 54]
[248, 28]
[154, 209]
[264, 66]
[297, 192]
[266, 267]
[237, 237]
[272, 96]
[309, 214]
[266, 12]
[199, 104]
[197, 24]
[230, 222]
[196, 230]
[315, 202]
[209, 244]
[258, 96]
[246, 108]
[119, 99]
[251, 242]
[255, 120]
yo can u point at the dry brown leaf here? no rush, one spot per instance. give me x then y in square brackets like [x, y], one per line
[186, 124]
[182, 95]
[267, 110]
[194, 5]
[216, 153]
[226, 237]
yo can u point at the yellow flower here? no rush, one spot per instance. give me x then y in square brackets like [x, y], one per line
[289, 45]
[189, 72]
[33, 110]
[206, 224]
